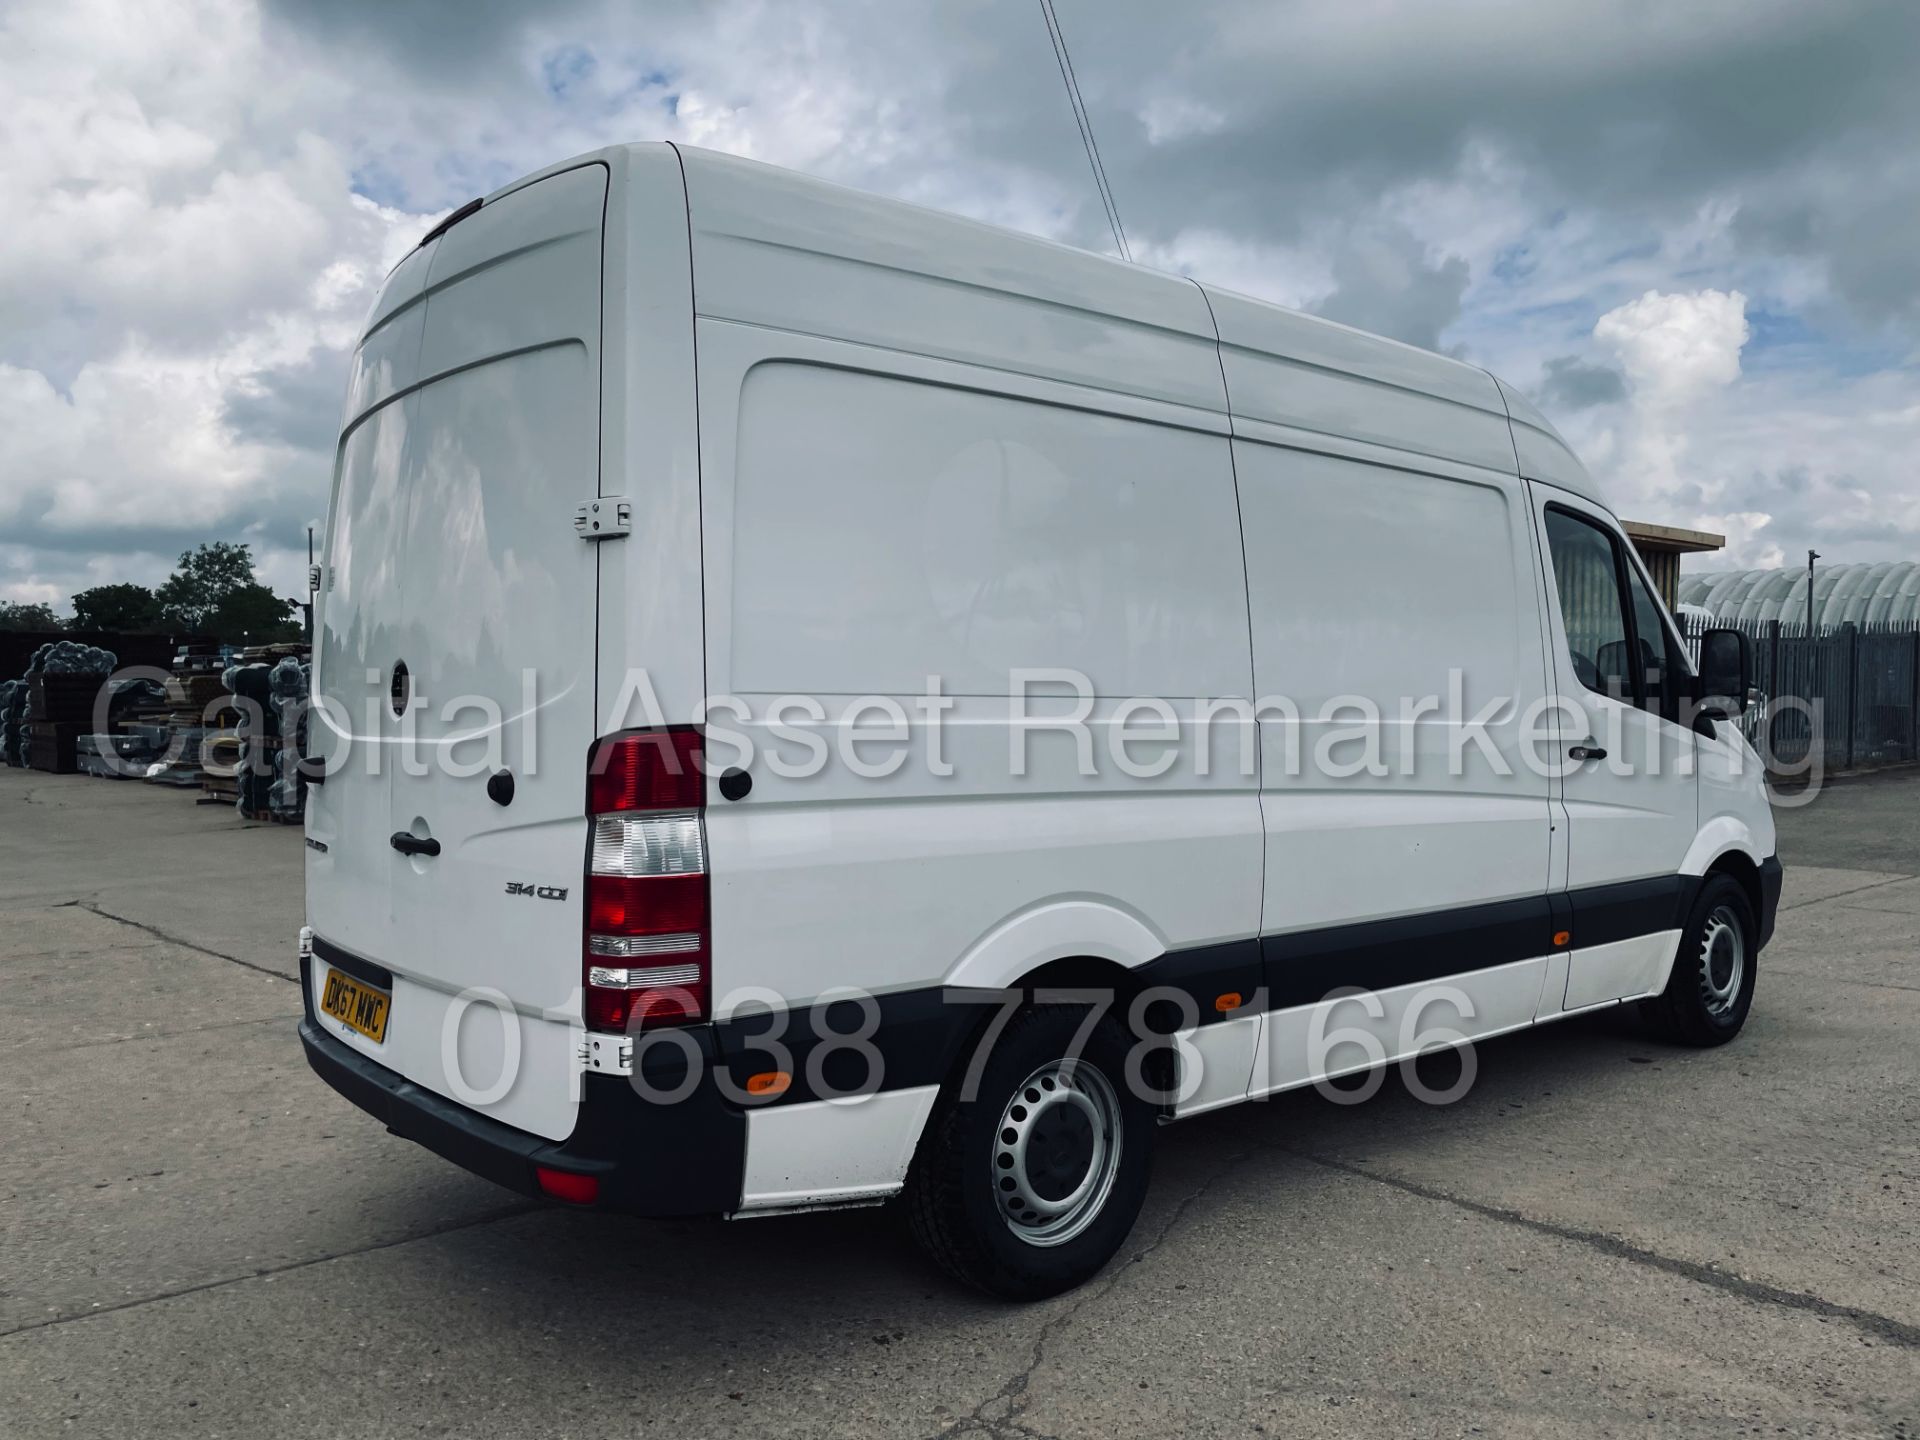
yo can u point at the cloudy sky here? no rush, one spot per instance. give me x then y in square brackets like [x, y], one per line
[1690, 230]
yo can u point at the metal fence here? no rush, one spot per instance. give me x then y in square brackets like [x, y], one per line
[1852, 691]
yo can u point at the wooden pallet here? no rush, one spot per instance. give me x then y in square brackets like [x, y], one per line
[58, 699]
[55, 748]
[194, 692]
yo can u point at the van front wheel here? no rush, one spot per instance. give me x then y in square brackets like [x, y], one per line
[1028, 1187]
[1710, 989]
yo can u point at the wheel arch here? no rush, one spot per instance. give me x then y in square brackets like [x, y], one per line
[1742, 868]
[1067, 943]
[1727, 846]
[1071, 932]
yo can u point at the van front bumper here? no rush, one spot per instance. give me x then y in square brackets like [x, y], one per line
[654, 1158]
[1771, 874]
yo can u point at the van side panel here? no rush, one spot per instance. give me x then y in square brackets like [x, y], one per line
[884, 531]
[929, 450]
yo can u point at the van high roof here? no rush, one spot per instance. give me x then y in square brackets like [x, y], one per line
[767, 242]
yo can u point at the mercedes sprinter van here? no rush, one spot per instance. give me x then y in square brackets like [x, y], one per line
[820, 701]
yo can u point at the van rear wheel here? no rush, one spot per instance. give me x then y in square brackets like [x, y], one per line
[1032, 1185]
[1710, 989]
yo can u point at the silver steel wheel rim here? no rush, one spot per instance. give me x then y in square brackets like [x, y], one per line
[1723, 962]
[1055, 1110]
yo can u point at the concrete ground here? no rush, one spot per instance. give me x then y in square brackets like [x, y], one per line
[1605, 1237]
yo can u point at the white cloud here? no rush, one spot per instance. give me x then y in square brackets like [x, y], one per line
[172, 243]
[1674, 347]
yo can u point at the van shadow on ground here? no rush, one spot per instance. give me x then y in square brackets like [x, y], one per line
[859, 1268]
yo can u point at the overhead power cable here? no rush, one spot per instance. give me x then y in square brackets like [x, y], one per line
[1080, 118]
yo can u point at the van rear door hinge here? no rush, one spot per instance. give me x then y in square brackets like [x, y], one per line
[607, 1054]
[604, 519]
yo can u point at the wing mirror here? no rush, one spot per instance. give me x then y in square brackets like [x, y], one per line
[1726, 674]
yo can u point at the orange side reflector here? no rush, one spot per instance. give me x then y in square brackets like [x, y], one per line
[1561, 937]
[769, 1083]
[1226, 1002]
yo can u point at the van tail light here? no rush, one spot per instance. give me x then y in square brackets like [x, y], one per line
[646, 929]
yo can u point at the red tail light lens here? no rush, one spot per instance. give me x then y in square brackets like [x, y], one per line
[660, 906]
[646, 929]
[656, 1003]
[646, 770]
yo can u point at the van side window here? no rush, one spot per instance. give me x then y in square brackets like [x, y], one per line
[1587, 573]
[1662, 663]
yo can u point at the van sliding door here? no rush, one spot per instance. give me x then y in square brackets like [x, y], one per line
[1397, 651]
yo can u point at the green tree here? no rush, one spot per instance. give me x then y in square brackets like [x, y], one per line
[126, 609]
[255, 615]
[18, 616]
[194, 593]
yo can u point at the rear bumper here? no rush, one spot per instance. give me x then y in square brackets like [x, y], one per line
[657, 1158]
[1771, 874]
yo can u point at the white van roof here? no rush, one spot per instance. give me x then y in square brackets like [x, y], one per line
[771, 247]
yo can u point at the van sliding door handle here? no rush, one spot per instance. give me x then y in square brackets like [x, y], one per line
[410, 844]
[1587, 752]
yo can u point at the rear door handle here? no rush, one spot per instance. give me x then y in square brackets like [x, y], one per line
[410, 844]
[1587, 752]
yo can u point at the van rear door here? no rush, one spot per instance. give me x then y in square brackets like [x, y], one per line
[481, 669]
[349, 869]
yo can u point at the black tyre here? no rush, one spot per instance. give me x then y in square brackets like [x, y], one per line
[1033, 1185]
[1710, 990]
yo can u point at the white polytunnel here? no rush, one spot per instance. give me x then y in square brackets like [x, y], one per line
[1879, 592]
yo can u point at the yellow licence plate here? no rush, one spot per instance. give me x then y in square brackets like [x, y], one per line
[356, 1005]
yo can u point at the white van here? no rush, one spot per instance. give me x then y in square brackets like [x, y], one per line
[822, 700]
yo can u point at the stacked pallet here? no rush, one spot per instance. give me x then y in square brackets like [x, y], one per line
[270, 685]
[197, 656]
[60, 709]
[273, 654]
[135, 736]
[221, 762]
[124, 752]
[13, 720]
[195, 704]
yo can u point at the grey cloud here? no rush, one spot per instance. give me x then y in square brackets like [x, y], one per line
[1384, 283]
[447, 39]
[1571, 383]
[1820, 512]
[1632, 117]
[297, 406]
[1875, 259]
[1322, 107]
[277, 514]
[1806, 105]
